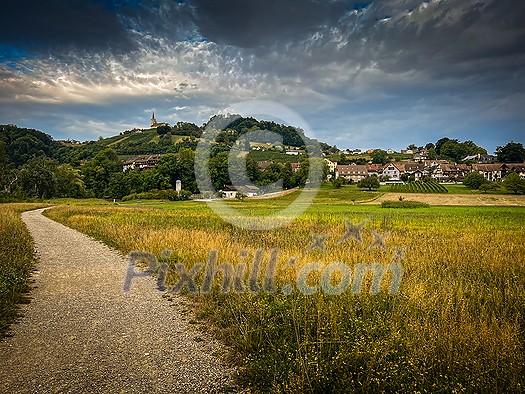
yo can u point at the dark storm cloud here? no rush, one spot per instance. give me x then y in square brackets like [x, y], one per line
[253, 23]
[52, 25]
[358, 69]
[446, 35]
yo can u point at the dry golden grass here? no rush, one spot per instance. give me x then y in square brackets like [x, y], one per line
[16, 261]
[456, 325]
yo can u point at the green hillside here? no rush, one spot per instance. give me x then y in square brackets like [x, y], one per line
[146, 142]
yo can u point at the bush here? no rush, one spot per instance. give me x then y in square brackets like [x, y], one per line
[474, 180]
[403, 204]
[338, 182]
[169, 194]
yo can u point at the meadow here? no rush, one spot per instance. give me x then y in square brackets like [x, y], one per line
[457, 323]
[16, 262]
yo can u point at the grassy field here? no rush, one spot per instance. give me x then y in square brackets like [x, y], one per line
[456, 325]
[16, 261]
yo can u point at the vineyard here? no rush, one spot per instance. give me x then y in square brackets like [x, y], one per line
[419, 187]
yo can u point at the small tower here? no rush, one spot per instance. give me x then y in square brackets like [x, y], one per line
[153, 120]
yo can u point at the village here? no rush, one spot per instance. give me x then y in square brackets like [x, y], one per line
[395, 172]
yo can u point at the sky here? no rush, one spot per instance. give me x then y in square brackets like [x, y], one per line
[362, 74]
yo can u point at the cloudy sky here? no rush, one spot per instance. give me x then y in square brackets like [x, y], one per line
[369, 73]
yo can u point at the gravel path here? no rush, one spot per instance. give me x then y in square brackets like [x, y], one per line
[81, 334]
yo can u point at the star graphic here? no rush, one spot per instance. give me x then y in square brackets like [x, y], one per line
[292, 262]
[318, 242]
[399, 253]
[379, 240]
[352, 231]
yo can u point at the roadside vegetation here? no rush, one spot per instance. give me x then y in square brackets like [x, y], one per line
[457, 324]
[16, 262]
[403, 204]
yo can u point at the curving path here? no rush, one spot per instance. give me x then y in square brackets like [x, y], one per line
[81, 334]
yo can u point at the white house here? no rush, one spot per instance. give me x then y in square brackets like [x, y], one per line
[393, 171]
[229, 191]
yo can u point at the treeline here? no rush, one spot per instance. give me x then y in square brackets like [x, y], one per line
[33, 165]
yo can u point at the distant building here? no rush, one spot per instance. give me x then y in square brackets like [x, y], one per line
[263, 165]
[518, 168]
[421, 155]
[229, 191]
[331, 165]
[481, 159]
[491, 172]
[393, 171]
[142, 162]
[351, 172]
[69, 142]
[155, 124]
[296, 167]
[375, 169]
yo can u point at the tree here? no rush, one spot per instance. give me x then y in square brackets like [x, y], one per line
[185, 128]
[338, 182]
[440, 143]
[488, 185]
[218, 166]
[287, 176]
[513, 152]
[117, 185]
[369, 182]
[3, 166]
[379, 156]
[474, 180]
[69, 183]
[453, 149]
[514, 183]
[432, 154]
[161, 130]
[97, 171]
[37, 177]
[153, 179]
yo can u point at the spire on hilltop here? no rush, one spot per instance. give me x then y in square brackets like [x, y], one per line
[153, 120]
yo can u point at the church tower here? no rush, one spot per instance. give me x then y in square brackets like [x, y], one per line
[153, 120]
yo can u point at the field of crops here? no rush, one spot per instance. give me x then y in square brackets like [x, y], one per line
[419, 187]
[457, 323]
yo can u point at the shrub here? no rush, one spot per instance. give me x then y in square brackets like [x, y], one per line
[474, 180]
[403, 204]
[169, 194]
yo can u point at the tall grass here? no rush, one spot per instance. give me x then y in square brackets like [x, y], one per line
[16, 261]
[457, 324]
